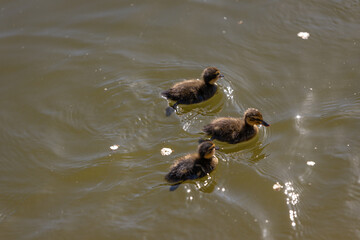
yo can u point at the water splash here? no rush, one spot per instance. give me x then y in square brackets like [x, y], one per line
[291, 200]
[188, 191]
[228, 91]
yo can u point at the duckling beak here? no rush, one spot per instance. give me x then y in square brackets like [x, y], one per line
[221, 75]
[265, 124]
[217, 148]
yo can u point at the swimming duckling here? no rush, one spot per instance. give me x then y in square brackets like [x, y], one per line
[235, 130]
[195, 165]
[194, 90]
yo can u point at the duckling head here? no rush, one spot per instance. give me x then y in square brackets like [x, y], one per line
[206, 149]
[253, 117]
[211, 75]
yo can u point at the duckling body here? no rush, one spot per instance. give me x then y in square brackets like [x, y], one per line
[190, 91]
[194, 90]
[195, 165]
[236, 130]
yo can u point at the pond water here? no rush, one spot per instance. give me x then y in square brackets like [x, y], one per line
[78, 77]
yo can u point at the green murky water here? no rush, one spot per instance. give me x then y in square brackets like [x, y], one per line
[78, 77]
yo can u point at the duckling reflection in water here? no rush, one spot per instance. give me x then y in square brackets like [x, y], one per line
[235, 130]
[194, 90]
[193, 166]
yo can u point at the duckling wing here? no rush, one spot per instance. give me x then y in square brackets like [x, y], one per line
[200, 170]
[188, 84]
[181, 170]
[220, 125]
[223, 129]
[185, 92]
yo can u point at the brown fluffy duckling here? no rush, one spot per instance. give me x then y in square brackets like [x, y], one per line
[235, 130]
[194, 90]
[195, 165]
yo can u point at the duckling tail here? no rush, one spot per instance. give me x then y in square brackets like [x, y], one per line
[170, 110]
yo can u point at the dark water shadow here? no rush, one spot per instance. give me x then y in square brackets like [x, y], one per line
[206, 184]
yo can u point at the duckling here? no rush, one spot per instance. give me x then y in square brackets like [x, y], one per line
[194, 90]
[195, 165]
[235, 130]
